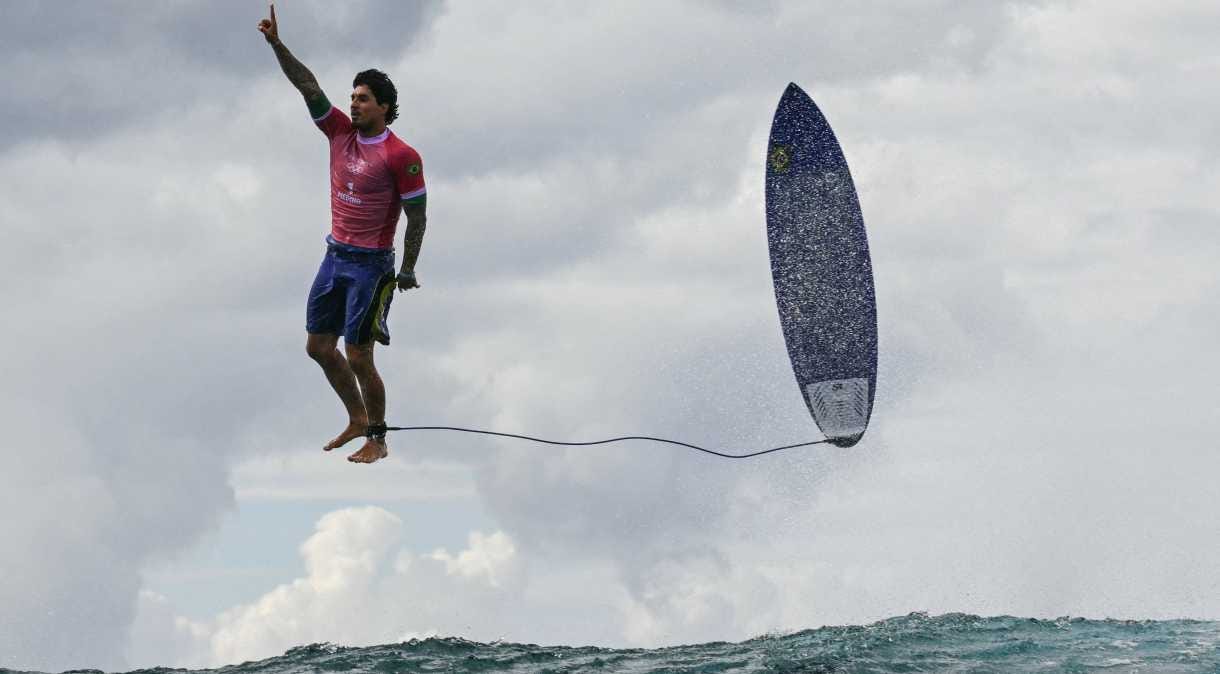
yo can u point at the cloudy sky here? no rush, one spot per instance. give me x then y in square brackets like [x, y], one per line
[1039, 181]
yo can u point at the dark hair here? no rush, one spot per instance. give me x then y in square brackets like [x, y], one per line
[383, 90]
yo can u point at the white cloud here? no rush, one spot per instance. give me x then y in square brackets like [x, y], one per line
[485, 560]
[362, 586]
[345, 561]
[309, 474]
[1039, 183]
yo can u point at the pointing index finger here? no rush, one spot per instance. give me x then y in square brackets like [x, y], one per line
[272, 4]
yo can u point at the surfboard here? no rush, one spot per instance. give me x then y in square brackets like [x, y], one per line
[821, 269]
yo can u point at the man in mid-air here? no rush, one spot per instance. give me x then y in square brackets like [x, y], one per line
[372, 172]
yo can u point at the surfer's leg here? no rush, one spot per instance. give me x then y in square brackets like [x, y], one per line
[324, 350]
[324, 321]
[360, 356]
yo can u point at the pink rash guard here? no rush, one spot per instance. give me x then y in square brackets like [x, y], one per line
[369, 180]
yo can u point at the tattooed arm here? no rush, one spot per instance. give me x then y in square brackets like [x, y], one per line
[296, 72]
[417, 222]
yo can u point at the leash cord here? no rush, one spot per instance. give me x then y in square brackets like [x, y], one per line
[603, 442]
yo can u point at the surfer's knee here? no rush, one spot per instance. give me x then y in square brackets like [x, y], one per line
[361, 357]
[321, 348]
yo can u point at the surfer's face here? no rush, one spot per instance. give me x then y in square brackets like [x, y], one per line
[366, 113]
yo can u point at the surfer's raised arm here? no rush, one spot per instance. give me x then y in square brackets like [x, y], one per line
[296, 72]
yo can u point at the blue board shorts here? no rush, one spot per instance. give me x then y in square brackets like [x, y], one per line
[351, 294]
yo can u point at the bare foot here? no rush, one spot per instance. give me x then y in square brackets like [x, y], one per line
[354, 430]
[373, 450]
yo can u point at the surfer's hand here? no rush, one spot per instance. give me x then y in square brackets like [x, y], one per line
[406, 281]
[269, 28]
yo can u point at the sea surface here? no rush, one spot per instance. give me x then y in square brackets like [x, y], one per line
[912, 643]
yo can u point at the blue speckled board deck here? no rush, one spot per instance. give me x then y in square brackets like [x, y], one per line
[821, 269]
